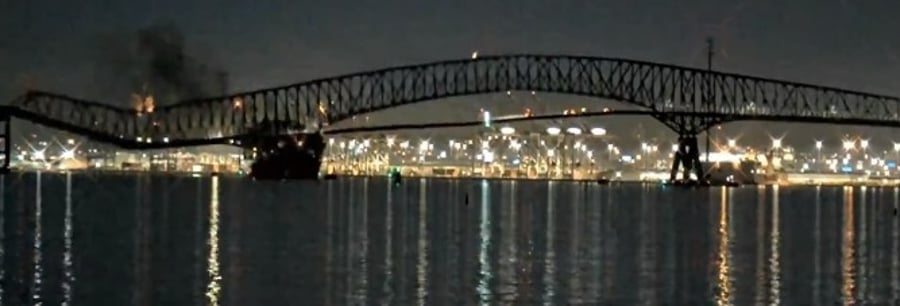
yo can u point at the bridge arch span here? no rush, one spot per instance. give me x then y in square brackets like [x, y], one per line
[661, 88]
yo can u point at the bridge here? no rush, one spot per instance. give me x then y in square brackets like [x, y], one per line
[687, 100]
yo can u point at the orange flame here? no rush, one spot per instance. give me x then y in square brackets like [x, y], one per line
[143, 104]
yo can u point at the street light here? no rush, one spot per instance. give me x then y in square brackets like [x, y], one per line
[553, 130]
[487, 156]
[849, 144]
[574, 131]
[732, 143]
[864, 144]
[896, 149]
[776, 143]
[819, 151]
[507, 130]
[515, 145]
[597, 131]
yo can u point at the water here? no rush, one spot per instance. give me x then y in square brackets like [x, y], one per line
[158, 240]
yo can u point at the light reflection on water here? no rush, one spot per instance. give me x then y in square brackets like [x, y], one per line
[214, 286]
[135, 240]
[422, 262]
[38, 268]
[760, 246]
[549, 259]
[387, 289]
[775, 252]
[848, 253]
[2, 237]
[895, 251]
[68, 273]
[646, 251]
[362, 277]
[484, 246]
[817, 250]
[723, 267]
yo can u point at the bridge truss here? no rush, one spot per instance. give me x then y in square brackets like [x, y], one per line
[688, 100]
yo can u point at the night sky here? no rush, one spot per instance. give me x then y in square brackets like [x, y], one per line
[61, 45]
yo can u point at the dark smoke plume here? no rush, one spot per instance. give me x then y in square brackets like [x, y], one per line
[155, 61]
[170, 72]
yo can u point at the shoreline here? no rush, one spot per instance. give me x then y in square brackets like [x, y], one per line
[636, 182]
[848, 183]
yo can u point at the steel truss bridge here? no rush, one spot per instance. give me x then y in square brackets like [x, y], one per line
[687, 100]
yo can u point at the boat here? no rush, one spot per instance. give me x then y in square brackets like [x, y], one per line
[395, 176]
[289, 157]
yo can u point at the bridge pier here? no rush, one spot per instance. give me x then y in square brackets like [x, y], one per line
[688, 158]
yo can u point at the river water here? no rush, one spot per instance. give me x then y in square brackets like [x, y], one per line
[102, 239]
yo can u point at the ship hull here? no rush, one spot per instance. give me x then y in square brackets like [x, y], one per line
[296, 157]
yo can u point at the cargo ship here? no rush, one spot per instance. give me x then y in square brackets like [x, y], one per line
[284, 151]
[290, 157]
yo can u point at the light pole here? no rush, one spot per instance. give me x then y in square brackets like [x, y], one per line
[818, 151]
[864, 144]
[552, 161]
[609, 150]
[896, 149]
[570, 154]
[644, 149]
[551, 164]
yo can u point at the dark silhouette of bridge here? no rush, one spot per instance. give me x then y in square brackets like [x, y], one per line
[687, 100]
